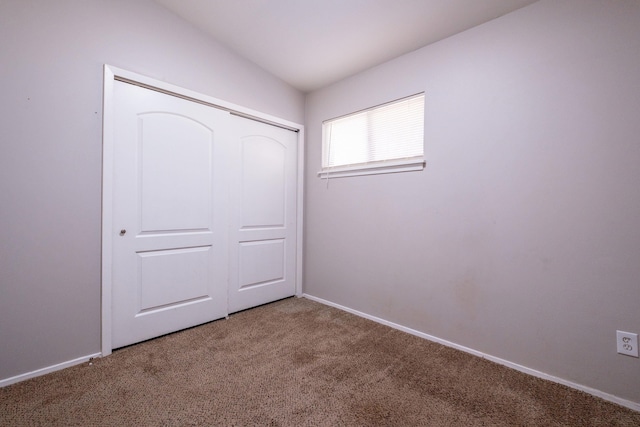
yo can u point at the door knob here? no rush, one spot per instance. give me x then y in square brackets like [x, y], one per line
[122, 232]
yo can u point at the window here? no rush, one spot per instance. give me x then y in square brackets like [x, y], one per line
[383, 139]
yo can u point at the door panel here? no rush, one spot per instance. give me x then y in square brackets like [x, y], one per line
[170, 257]
[175, 172]
[261, 262]
[263, 186]
[263, 214]
[173, 277]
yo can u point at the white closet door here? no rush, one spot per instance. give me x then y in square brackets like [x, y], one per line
[263, 214]
[170, 223]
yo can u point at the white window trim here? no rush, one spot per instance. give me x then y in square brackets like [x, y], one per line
[375, 168]
[392, 165]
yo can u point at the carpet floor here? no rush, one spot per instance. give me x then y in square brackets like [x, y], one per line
[296, 362]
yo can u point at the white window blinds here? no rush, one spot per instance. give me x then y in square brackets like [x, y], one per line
[389, 135]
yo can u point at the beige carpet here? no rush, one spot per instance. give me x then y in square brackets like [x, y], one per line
[298, 363]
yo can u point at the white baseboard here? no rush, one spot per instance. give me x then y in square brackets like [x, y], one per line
[47, 370]
[606, 396]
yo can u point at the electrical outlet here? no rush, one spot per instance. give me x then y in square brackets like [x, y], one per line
[627, 343]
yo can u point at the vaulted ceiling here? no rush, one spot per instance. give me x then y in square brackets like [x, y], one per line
[312, 43]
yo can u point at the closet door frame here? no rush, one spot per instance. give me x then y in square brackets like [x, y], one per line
[111, 74]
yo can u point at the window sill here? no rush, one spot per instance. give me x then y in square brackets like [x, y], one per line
[406, 165]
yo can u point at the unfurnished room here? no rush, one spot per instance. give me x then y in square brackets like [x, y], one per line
[320, 212]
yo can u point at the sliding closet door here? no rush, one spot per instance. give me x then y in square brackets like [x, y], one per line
[263, 214]
[203, 214]
[170, 223]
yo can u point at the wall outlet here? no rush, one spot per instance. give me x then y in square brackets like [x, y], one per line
[627, 343]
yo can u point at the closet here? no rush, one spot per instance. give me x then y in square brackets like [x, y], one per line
[202, 210]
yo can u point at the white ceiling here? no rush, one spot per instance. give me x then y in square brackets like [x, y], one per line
[312, 43]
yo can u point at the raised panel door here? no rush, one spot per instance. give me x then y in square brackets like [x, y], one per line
[170, 249]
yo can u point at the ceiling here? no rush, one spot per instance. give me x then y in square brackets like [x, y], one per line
[312, 43]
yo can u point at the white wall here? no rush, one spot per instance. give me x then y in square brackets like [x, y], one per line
[51, 57]
[521, 238]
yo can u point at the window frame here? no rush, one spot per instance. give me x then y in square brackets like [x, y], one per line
[406, 164]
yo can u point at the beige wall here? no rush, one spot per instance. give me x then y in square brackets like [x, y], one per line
[51, 58]
[521, 238]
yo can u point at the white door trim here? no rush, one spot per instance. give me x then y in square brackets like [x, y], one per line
[110, 75]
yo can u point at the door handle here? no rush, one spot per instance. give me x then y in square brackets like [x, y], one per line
[122, 232]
